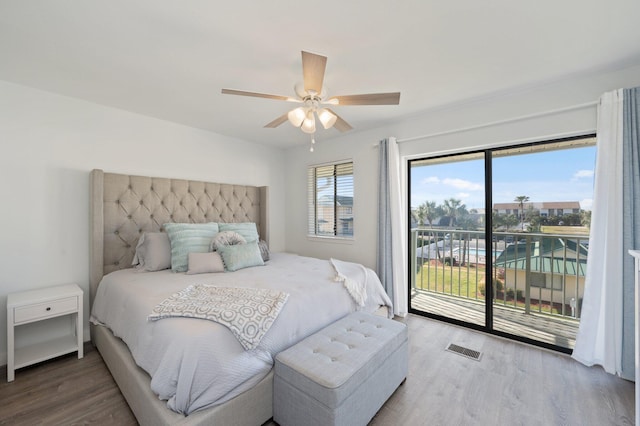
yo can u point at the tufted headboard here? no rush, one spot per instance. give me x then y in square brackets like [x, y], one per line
[125, 206]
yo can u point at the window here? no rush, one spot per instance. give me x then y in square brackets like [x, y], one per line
[542, 280]
[330, 189]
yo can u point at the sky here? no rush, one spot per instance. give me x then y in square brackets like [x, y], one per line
[561, 175]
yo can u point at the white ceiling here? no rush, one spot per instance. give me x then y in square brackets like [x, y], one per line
[170, 59]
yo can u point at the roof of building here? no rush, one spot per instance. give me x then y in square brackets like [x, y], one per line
[545, 257]
[539, 206]
[342, 200]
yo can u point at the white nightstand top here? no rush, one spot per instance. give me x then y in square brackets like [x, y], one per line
[29, 297]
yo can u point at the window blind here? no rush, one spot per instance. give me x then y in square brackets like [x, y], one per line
[330, 189]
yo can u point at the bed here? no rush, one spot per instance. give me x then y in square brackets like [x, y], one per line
[125, 207]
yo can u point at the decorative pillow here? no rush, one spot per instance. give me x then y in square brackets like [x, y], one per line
[226, 238]
[247, 229]
[188, 238]
[202, 263]
[264, 250]
[240, 256]
[153, 252]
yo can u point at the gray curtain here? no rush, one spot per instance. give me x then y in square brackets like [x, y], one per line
[384, 255]
[630, 222]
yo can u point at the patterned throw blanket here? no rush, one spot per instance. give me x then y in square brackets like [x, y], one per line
[247, 312]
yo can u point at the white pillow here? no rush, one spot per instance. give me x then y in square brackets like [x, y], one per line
[202, 263]
[226, 238]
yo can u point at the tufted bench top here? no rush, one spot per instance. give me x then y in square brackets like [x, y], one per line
[335, 361]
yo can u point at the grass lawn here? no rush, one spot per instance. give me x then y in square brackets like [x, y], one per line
[452, 280]
[468, 282]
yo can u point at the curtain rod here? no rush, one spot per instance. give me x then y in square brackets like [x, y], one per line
[495, 123]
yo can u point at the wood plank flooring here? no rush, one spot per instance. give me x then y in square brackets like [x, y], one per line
[512, 384]
[64, 391]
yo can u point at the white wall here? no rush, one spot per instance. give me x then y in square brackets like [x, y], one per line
[50, 143]
[575, 90]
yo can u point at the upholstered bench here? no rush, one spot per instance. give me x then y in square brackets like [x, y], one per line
[341, 375]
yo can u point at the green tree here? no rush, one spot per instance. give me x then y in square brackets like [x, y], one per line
[497, 220]
[419, 214]
[521, 199]
[585, 218]
[466, 222]
[510, 221]
[453, 209]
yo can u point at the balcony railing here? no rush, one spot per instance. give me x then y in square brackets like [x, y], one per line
[534, 273]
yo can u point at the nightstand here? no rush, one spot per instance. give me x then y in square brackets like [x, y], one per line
[40, 305]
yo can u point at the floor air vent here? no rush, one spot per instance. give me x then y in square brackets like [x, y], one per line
[465, 352]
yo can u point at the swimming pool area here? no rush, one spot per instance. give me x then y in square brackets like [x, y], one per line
[473, 255]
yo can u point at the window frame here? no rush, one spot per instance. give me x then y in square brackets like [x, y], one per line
[312, 205]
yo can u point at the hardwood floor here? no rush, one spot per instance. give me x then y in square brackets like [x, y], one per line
[512, 384]
[64, 391]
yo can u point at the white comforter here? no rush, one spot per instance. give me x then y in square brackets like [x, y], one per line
[196, 363]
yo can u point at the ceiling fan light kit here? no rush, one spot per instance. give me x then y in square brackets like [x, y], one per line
[309, 123]
[297, 116]
[327, 118]
[313, 95]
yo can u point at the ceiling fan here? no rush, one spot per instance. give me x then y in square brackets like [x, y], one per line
[315, 101]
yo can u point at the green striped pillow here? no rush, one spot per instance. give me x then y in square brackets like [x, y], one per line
[188, 238]
[248, 230]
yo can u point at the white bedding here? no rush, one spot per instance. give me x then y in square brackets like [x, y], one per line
[196, 363]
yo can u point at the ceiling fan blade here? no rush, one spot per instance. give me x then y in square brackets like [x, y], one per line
[313, 67]
[368, 99]
[278, 121]
[258, 95]
[340, 124]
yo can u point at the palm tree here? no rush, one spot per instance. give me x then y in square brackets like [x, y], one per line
[467, 223]
[453, 209]
[430, 211]
[419, 214]
[521, 199]
[425, 211]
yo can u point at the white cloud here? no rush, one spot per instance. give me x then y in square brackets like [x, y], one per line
[430, 180]
[582, 174]
[463, 184]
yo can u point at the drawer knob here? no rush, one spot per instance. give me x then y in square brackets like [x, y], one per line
[48, 308]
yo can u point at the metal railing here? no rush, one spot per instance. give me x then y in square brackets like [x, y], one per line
[534, 273]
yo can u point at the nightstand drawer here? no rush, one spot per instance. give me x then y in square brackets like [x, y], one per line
[45, 310]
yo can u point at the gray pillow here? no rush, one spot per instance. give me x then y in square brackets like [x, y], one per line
[264, 250]
[153, 252]
[241, 256]
[202, 263]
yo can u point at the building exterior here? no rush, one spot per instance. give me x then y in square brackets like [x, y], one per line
[545, 208]
[554, 271]
[343, 206]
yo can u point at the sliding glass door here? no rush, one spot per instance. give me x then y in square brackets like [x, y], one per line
[448, 237]
[499, 239]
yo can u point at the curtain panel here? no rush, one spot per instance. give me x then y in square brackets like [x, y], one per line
[392, 251]
[606, 333]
